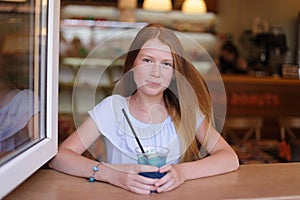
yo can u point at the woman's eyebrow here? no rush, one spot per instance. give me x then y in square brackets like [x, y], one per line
[143, 54]
[169, 60]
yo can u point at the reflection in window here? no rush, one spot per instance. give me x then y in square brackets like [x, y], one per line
[20, 76]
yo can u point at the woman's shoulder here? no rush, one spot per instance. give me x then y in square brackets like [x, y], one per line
[114, 97]
[113, 100]
[111, 103]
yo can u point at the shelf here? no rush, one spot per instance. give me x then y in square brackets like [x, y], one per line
[76, 62]
[174, 19]
[71, 87]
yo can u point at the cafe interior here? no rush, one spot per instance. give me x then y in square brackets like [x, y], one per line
[247, 51]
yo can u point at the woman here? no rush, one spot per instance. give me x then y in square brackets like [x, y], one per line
[169, 105]
[230, 60]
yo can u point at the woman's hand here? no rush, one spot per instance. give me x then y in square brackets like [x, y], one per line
[127, 177]
[173, 178]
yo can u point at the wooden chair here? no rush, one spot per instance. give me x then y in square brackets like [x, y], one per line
[248, 126]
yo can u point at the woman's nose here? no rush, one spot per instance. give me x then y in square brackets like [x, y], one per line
[155, 70]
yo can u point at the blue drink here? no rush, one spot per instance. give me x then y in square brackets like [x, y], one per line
[155, 156]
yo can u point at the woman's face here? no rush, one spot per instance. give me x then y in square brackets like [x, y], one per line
[153, 67]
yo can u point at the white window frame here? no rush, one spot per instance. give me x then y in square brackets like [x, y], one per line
[18, 169]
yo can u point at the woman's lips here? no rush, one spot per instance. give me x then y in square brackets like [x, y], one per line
[153, 84]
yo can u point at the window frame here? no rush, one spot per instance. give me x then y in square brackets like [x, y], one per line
[19, 168]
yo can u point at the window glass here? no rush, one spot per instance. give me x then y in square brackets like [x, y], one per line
[22, 76]
[29, 46]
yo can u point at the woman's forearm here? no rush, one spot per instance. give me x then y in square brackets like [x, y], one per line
[66, 160]
[218, 163]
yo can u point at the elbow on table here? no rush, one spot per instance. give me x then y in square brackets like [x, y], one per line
[235, 162]
[54, 163]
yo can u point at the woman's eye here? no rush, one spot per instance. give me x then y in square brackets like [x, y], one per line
[167, 64]
[147, 60]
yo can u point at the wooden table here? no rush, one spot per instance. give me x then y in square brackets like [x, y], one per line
[259, 181]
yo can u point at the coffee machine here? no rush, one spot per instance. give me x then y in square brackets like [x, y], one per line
[267, 52]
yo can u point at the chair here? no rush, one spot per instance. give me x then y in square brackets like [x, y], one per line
[287, 125]
[249, 126]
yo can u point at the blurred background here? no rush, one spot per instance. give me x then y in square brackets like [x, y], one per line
[255, 45]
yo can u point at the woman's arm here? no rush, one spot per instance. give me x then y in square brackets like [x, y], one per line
[69, 160]
[222, 159]
[70, 150]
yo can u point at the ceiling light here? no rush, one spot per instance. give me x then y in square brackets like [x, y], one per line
[157, 5]
[194, 7]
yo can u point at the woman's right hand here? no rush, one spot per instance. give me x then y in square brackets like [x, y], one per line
[126, 176]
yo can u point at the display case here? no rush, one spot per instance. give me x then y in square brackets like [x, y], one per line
[86, 29]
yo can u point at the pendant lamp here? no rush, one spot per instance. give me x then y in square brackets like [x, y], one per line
[194, 7]
[157, 5]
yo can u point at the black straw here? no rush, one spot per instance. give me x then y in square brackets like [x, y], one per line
[134, 133]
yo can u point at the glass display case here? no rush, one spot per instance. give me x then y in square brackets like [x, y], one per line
[28, 88]
[87, 48]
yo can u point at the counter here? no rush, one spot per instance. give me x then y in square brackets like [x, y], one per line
[268, 98]
[265, 97]
[260, 181]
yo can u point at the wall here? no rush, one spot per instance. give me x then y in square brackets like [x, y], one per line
[235, 16]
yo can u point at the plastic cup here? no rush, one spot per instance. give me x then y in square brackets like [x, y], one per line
[155, 156]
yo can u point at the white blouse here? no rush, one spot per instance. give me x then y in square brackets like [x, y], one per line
[119, 139]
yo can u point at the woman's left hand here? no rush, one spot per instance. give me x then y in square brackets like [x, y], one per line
[173, 178]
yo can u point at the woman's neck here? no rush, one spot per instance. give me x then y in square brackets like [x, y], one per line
[146, 102]
[148, 109]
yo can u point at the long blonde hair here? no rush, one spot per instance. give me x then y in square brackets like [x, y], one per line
[185, 94]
